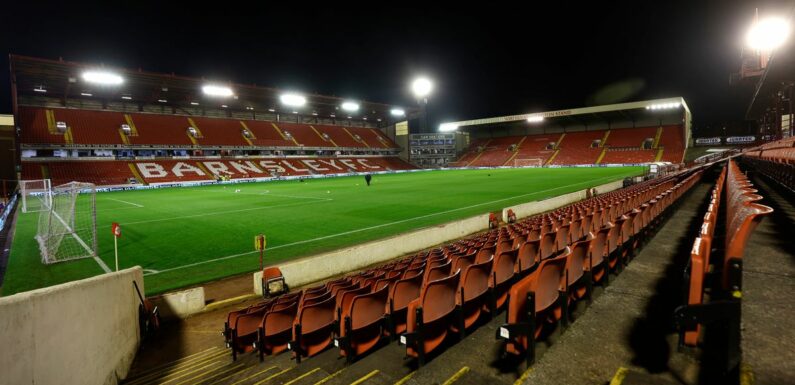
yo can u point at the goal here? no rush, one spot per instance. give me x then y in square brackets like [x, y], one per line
[68, 228]
[528, 162]
[36, 195]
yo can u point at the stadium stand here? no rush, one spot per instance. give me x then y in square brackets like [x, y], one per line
[89, 127]
[266, 134]
[619, 146]
[536, 269]
[731, 217]
[577, 148]
[776, 160]
[496, 152]
[154, 129]
[113, 172]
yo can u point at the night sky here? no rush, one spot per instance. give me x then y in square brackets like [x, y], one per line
[485, 62]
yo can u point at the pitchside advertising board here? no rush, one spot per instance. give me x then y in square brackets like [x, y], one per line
[740, 139]
[728, 140]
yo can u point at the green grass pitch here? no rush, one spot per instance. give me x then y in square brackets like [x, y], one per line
[185, 236]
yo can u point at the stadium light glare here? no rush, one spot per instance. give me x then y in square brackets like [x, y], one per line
[445, 127]
[398, 112]
[768, 34]
[86, 94]
[271, 110]
[213, 90]
[194, 103]
[102, 77]
[664, 106]
[162, 100]
[126, 97]
[535, 119]
[422, 87]
[350, 106]
[293, 100]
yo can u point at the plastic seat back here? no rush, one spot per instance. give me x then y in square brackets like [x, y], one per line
[439, 272]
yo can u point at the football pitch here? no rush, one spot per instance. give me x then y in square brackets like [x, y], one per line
[185, 236]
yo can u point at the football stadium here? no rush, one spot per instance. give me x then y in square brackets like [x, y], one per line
[504, 221]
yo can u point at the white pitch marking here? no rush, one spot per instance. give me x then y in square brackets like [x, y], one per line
[100, 262]
[371, 227]
[129, 203]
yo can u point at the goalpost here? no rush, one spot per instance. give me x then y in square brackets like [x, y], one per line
[528, 162]
[68, 228]
[36, 195]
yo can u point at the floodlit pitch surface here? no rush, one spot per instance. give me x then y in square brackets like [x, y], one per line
[185, 236]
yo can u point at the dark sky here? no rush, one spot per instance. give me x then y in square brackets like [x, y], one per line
[485, 61]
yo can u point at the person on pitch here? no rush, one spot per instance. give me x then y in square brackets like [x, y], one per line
[368, 178]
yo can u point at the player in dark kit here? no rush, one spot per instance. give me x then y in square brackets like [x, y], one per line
[368, 178]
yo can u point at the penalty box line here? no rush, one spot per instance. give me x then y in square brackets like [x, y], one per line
[153, 272]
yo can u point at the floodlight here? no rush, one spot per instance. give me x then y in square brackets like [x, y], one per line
[768, 34]
[293, 100]
[39, 89]
[162, 100]
[126, 97]
[535, 119]
[224, 106]
[350, 106]
[448, 127]
[101, 77]
[86, 94]
[194, 103]
[213, 90]
[398, 112]
[271, 110]
[422, 87]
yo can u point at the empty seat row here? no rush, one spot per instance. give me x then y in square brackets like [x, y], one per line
[714, 272]
[774, 159]
[586, 242]
[89, 127]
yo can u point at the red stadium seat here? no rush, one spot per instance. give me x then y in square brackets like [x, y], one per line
[429, 316]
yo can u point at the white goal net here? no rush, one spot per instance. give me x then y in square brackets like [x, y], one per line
[36, 195]
[528, 162]
[68, 229]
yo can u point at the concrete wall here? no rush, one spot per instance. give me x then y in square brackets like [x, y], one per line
[535, 207]
[549, 204]
[180, 304]
[323, 266]
[82, 332]
[607, 187]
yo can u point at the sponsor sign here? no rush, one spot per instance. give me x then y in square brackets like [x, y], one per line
[707, 141]
[740, 139]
